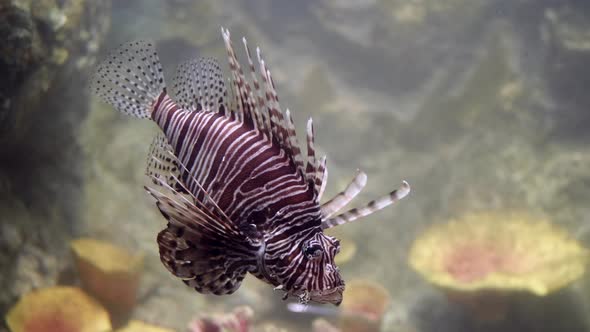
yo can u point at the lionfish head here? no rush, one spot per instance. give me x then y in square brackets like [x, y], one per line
[310, 272]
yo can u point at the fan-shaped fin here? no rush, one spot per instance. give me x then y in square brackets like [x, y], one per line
[321, 178]
[198, 250]
[199, 85]
[260, 106]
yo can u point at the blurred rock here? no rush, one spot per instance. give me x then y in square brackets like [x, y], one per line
[48, 45]
[109, 273]
[566, 30]
[40, 37]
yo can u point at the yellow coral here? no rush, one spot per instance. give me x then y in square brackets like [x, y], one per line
[109, 273]
[137, 326]
[105, 256]
[498, 251]
[366, 298]
[58, 309]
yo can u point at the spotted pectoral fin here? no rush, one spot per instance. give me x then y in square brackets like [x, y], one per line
[207, 253]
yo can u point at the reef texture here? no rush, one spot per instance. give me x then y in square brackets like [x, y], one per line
[46, 50]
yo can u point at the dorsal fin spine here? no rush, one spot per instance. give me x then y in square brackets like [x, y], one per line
[264, 113]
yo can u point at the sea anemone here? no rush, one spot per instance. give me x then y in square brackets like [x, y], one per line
[365, 302]
[481, 257]
[58, 309]
[109, 273]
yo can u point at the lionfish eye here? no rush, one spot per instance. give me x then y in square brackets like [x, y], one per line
[313, 251]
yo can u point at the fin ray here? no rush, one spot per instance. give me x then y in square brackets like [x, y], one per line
[199, 85]
[164, 169]
[344, 197]
[369, 208]
[206, 259]
[264, 112]
[321, 178]
[130, 78]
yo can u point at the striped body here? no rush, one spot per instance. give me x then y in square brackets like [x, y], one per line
[241, 169]
[252, 180]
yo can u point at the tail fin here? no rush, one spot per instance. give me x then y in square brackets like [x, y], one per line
[130, 78]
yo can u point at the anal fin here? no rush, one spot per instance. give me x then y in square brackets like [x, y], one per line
[202, 262]
[206, 253]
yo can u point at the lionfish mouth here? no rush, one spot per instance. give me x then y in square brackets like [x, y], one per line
[332, 295]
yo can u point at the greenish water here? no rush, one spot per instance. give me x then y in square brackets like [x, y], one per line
[480, 105]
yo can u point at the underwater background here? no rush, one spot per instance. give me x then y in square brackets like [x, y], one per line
[481, 105]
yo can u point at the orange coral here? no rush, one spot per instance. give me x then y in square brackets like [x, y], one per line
[510, 251]
[58, 309]
[109, 273]
[482, 258]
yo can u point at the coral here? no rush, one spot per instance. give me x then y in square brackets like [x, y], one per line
[239, 320]
[322, 325]
[109, 273]
[58, 309]
[498, 251]
[40, 37]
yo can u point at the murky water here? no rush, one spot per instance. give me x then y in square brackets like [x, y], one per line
[480, 105]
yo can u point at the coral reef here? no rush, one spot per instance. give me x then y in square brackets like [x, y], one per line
[47, 48]
[43, 38]
[239, 320]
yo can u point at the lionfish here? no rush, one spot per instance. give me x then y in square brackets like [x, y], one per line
[230, 178]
